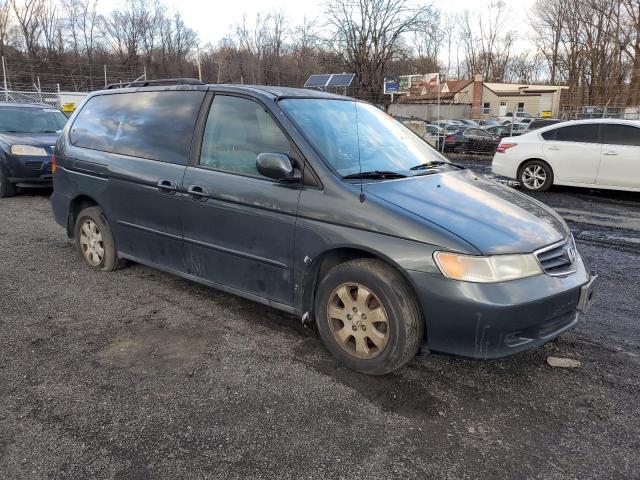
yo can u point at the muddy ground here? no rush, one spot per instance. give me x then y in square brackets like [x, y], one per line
[139, 374]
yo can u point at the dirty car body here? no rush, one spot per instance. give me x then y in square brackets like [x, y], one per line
[273, 240]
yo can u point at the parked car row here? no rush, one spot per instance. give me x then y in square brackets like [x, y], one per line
[327, 208]
[470, 136]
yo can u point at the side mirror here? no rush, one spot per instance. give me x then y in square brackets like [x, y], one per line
[276, 166]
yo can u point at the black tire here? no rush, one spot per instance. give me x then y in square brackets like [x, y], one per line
[404, 328]
[109, 260]
[7, 189]
[538, 168]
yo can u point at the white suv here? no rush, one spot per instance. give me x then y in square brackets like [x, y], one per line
[601, 153]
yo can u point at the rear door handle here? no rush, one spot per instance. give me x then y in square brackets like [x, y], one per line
[610, 153]
[554, 148]
[167, 186]
[198, 193]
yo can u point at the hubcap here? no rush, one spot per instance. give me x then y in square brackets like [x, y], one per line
[358, 320]
[534, 177]
[91, 243]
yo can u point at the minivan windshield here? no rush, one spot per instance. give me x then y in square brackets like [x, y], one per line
[31, 120]
[355, 137]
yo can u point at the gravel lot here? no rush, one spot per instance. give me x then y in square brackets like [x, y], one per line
[140, 374]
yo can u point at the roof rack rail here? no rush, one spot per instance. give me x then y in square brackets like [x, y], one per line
[153, 83]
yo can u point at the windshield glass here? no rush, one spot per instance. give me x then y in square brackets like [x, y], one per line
[354, 136]
[31, 120]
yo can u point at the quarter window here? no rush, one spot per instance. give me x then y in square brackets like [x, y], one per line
[152, 125]
[237, 131]
[586, 133]
[621, 135]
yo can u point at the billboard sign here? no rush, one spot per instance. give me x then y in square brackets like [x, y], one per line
[391, 85]
[415, 84]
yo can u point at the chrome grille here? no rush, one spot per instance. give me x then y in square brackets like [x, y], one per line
[559, 259]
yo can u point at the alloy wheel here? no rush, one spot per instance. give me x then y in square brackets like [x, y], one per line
[91, 243]
[534, 177]
[358, 321]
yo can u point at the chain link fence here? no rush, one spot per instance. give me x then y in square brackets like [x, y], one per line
[14, 96]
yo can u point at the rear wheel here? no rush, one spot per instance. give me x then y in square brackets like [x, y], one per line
[536, 176]
[7, 189]
[367, 316]
[95, 241]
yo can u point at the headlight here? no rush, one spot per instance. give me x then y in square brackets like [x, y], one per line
[28, 150]
[497, 268]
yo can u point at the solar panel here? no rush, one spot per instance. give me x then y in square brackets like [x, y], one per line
[341, 80]
[317, 81]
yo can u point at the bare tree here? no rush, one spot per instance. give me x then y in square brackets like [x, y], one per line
[548, 21]
[487, 45]
[368, 34]
[5, 12]
[29, 15]
[632, 10]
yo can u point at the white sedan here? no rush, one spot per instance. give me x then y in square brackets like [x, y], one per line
[601, 153]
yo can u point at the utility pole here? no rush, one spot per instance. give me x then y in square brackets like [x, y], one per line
[4, 74]
[105, 76]
[200, 68]
[218, 72]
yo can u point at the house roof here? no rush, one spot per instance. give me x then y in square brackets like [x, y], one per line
[457, 85]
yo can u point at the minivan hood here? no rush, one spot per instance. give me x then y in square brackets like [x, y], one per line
[492, 217]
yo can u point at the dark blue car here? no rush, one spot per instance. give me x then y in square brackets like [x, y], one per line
[28, 134]
[321, 206]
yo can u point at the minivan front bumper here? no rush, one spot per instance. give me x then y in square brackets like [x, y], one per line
[495, 320]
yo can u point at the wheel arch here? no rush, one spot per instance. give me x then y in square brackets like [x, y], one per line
[338, 255]
[79, 203]
[524, 162]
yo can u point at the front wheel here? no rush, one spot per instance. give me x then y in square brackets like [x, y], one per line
[536, 176]
[368, 317]
[7, 189]
[95, 241]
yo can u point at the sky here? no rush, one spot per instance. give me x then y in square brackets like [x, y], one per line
[212, 19]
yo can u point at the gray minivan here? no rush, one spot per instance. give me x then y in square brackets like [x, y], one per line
[321, 206]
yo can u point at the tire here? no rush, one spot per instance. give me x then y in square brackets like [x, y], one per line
[94, 241]
[536, 176]
[7, 189]
[374, 288]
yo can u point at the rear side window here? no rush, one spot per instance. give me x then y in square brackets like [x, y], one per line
[237, 131]
[621, 135]
[586, 133]
[152, 125]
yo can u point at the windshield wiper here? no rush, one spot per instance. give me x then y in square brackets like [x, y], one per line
[375, 174]
[435, 163]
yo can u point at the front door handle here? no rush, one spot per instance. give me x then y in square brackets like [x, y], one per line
[554, 148]
[167, 186]
[198, 193]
